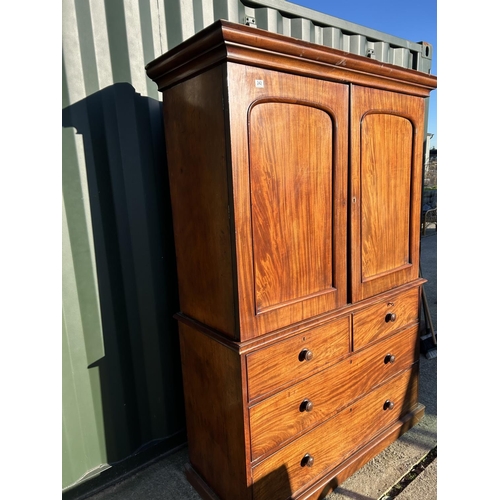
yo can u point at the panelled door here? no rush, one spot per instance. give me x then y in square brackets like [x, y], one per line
[289, 175]
[386, 170]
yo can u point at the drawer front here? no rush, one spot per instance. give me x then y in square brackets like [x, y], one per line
[296, 358]
[383, 318]
[280, 417]
[329, 444]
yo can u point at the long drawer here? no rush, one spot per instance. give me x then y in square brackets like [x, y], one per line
[385, 317]
[327, 445]
[297, 357]
[282, 416]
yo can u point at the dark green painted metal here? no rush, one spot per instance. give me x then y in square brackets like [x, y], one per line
[138, 394]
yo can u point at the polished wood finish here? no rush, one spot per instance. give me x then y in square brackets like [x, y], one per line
[200, 199]
[294, 268]
[381, 319]
[296, 358]
[336, 439]
[281, 417]
[290, 247]
[226, 41]
[386, 182]
[330, 480]
[216, 427]
[295, 178]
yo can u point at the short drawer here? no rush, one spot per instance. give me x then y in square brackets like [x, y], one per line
[383, 318]
[326, 446]
[297, 357]
[279, 418]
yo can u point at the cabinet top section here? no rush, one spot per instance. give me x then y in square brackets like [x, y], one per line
[225, 41]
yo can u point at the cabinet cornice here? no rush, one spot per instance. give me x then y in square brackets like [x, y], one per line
[230, 42]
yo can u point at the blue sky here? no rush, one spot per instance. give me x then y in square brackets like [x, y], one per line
[412, 21]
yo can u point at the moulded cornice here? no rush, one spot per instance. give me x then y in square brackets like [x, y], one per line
[225, 41]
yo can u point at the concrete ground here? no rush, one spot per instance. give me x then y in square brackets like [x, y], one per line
[164, 478]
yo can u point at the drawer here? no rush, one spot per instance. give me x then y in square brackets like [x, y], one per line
[280, 417]
[326, 446]
[383, 318]
[296, 358]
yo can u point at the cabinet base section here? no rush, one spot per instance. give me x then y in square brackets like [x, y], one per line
[198, 483]
[328, 482]
[331, 480]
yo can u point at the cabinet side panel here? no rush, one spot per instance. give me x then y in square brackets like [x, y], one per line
[212, 377]
[197, 163]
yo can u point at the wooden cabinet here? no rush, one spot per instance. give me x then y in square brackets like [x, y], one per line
[295, 177]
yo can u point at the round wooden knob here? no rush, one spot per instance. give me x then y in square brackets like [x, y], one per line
[305, 355]
[390, 317]
[308, 460]
[389, 358]
[306, 405]
[388, 405]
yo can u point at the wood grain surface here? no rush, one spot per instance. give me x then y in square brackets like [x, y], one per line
[281, 364]
[291, 183]
[336, 439]
[289, 159]
[295, 175]
[281, 417]
[386, 180]
[197, 166]
[215, 417]
[377, 321]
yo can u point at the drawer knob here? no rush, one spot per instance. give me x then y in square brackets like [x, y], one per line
[388, 405]
[307, 460]
[305, 355]
[306, 405]
[390, 358]
[390, 317]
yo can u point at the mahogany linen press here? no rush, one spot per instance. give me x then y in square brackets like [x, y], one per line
[295, 175]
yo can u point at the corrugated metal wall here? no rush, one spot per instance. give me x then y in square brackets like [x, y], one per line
[122, 385]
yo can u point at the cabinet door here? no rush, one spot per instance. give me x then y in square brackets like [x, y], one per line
[387, 141]
[289, 175]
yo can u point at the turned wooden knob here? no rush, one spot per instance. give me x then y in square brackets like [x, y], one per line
[390, 317]
[388, 405]
[307, 460]
[306, 405]
[389, 358]
[305, 355]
